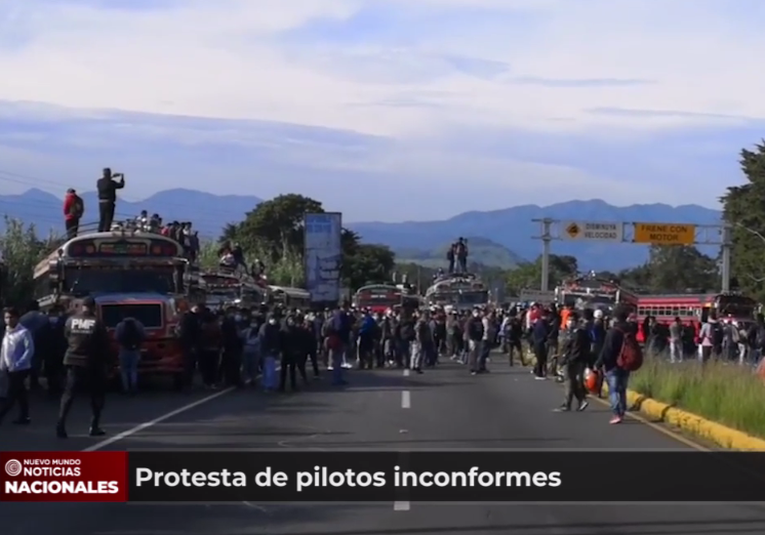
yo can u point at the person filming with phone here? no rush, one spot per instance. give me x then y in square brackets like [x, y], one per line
[107, 197]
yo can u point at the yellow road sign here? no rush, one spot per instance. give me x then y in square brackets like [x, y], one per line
[665, 233]
[573, 230]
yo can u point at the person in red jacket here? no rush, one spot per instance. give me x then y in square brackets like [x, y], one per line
[73, 210]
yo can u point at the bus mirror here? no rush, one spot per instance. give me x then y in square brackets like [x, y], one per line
[54, 273]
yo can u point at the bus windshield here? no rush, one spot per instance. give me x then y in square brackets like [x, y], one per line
[84, 281]
[378, 297]
[461, 298]
[736, 306]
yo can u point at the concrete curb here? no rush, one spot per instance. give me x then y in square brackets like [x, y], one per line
[719, 434]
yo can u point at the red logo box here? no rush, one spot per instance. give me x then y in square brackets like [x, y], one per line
[63, 476]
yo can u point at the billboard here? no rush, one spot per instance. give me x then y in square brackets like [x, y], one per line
[323, 256]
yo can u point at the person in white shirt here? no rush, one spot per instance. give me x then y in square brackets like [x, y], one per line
[16, 353]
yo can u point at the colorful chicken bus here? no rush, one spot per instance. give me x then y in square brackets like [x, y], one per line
[459, 291]
[694, 309]
[129, 274]
[594, 293]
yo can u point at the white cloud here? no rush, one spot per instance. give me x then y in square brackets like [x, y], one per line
[229, 59]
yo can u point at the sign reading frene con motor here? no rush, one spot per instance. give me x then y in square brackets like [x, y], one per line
[664, 233]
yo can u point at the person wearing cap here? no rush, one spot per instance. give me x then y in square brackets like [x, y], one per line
[107, 198]
[74, 208]
[86, 362]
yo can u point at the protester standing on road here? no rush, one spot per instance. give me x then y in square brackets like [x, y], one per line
[107, 198]
[86, 362]
[16, 356]
[130, 334]
[74, 208]
[38, 326]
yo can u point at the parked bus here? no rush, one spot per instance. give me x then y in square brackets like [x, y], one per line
[129, 274]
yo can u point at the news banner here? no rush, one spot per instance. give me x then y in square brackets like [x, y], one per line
[382, 476]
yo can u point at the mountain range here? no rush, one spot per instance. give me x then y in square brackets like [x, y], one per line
[498, 238]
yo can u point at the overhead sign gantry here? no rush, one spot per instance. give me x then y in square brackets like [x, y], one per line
[644, 233]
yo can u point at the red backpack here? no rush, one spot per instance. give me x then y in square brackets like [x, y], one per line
[631, 355]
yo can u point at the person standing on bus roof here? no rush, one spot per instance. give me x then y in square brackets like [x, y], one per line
[74, 208]
[107, 198]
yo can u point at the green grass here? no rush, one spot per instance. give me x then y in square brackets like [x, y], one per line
[724, 393]
[728, 394]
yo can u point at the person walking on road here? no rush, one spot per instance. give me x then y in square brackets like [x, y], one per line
[16, 355]
[617, 359]
[575, 358]
[107, 198]
[86, 362]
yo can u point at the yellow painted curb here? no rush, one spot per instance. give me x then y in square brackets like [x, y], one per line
[721, 435]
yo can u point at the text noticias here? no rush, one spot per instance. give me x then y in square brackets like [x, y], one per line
[324, 477]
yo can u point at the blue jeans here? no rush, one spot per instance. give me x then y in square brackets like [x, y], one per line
[337, 358]
[617, 390]
[129, 368]
[250, 365]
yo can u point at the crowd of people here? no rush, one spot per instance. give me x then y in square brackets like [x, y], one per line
[276, 349]
[719, 338]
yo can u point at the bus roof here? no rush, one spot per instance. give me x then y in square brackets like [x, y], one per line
[291, 292]
[116, 245]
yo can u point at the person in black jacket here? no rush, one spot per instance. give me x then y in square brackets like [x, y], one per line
[107, 198]
[576, 357]
[86, 361]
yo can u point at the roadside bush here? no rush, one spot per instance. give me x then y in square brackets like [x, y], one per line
[723, 392]
[21, 251]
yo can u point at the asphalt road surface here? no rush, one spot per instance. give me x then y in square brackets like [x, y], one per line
[444, 408]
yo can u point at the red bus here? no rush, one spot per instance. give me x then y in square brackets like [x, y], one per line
[693, 309]
[591, 292]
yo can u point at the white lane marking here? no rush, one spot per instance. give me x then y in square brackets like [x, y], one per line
[155, 421]
[406, 372]
[406, 399]
[401, 506]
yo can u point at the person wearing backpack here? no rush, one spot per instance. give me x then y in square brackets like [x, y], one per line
[621, 355]
[712, 337]
[129, 334]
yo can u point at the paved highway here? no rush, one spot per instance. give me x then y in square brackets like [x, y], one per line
[445, 408]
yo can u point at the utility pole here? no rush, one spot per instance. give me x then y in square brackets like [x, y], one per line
[727, 242]
[546, 238]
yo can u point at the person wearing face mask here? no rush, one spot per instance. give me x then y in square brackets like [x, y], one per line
[474, 331]
[231, 358]
[292, 354]
[575, 359]
[270, 349]
[251, 353]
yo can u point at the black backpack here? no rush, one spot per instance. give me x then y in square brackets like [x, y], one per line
[717, 334]
[131, 336]
[407, 331]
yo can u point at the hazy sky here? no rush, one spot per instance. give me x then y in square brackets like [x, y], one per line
[384, 109]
